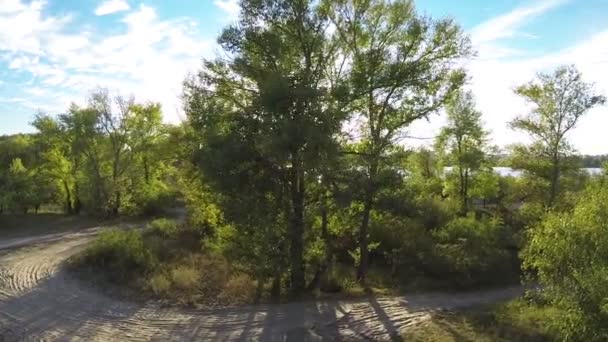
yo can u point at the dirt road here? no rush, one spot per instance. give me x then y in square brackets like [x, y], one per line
[40, 301]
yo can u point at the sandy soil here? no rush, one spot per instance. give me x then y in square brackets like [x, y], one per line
[40, 301]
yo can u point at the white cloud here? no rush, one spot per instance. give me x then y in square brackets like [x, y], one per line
[230, 6]
[21, 26]
[11, 6]
[112, 6]
[494, 80]
[12, 100]
[22, 61]
[498, 69]
[495, 75]
[37, 91]
[506, 26]
[148, 57]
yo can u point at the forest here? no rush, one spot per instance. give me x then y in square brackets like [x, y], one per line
[293, 170]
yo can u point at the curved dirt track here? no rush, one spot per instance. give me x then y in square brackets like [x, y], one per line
[40, 301]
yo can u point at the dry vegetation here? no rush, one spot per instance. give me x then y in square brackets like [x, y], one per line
[165, 262]
[513, 321]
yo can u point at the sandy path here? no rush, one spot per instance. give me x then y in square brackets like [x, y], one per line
[39, 301]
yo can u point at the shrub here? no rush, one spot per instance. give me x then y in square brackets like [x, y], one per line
[121, 252]
[404, 243]
[215, 273]
[164, 228]
[150, 199]
[568, 254]
[240, 289]
[159, 284]
[185, 277]
[472, 251]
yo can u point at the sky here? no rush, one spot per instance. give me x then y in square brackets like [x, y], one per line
[55, 52]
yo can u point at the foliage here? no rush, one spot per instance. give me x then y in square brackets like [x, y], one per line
[108, 157]
[122, 252]
[161, 262]
[462, 144]
[558, 101]
[267, 112]
[512, 321]
[163, 227]
[567, 254]
[386, 47]
[292, 166]
[473, 250]
[159, 284]
[239, 289]
[185, 277]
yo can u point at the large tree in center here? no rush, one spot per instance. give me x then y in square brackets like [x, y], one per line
[266, 109]
[401, 67]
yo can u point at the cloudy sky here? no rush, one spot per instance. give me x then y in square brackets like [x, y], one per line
[54, 52]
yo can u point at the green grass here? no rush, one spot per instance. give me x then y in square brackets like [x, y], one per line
[512, 321]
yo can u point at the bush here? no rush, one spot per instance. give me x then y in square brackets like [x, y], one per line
[159, 284]
[121, 252]
[164, 228]
[185, 277]
[403, 243]
[568, 254]
[472, 251]
[215, 273]
[240, 289]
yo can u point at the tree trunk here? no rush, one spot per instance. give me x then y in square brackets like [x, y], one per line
[275, 288]
[363, 239]
[146, 170]
[364, 229]
[68, 199]
[77, 202]
[116, 203]
[461, 191]
[296, 250]
[321, 273]
[465, 192]
[554, 181]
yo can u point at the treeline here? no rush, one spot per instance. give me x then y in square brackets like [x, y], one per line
[112, 156]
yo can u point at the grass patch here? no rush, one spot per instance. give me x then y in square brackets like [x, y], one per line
[164, 261]
[516, 320]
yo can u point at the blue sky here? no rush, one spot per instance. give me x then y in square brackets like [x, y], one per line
[54, 52]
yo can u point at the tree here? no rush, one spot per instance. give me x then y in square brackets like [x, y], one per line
[145, 133]
[107, 153]
[84, 150]
[20, 187]
[12, 147]
[56, 164]
[567, 254]
[400, 67]
[558, 101]
[462, 144]
[114, 125]
[267, 110]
